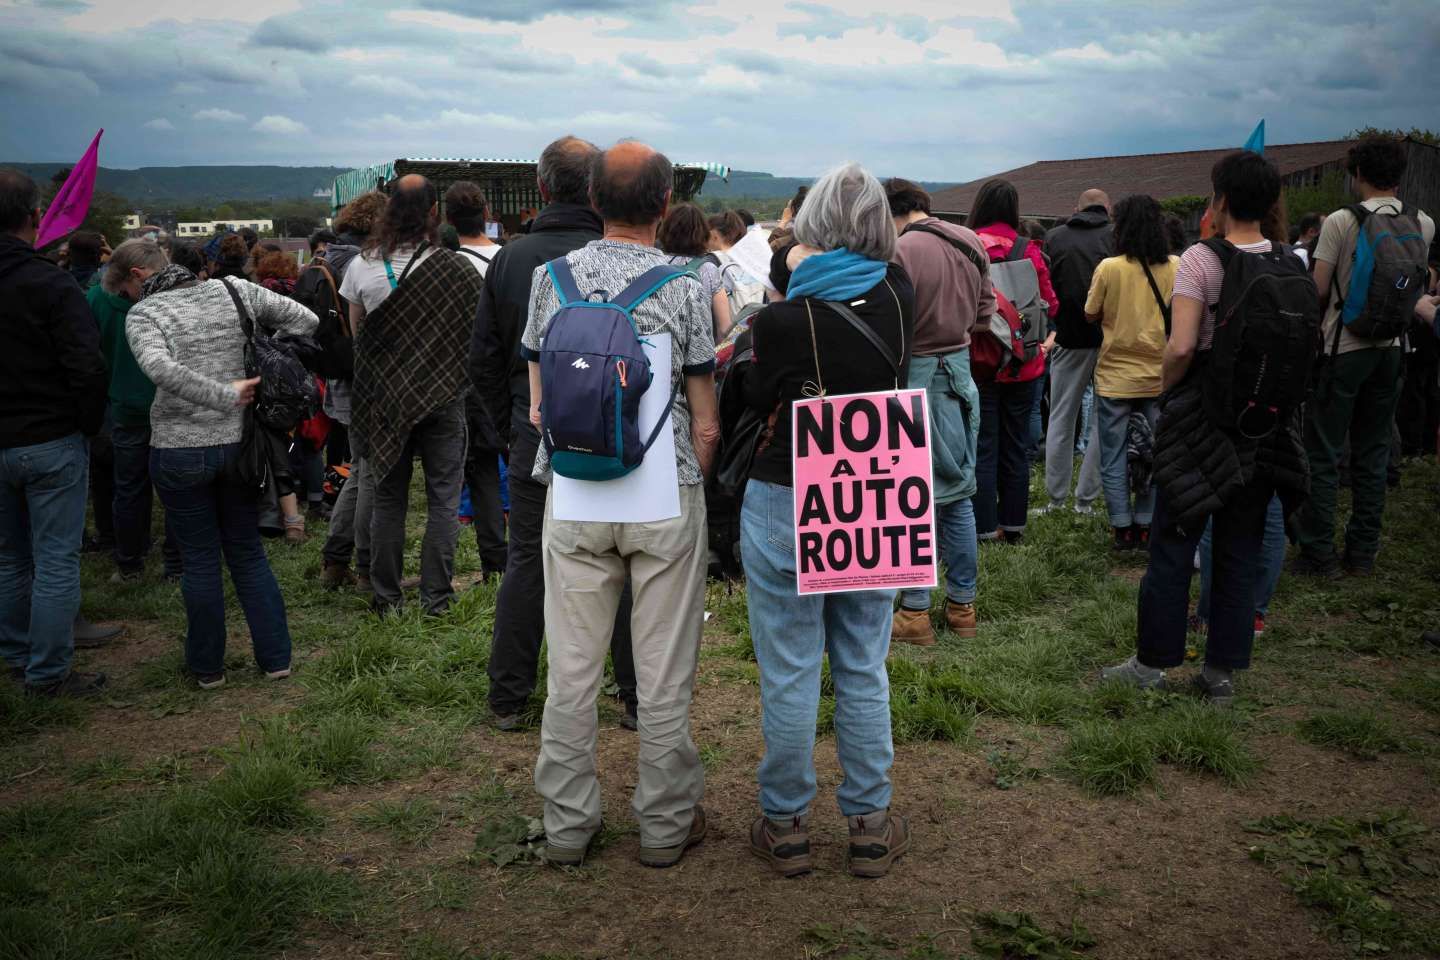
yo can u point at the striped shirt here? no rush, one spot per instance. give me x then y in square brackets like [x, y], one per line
[1199, 279]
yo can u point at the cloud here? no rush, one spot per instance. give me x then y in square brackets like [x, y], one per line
[278, 125]
[186, 88]
[390, 87]
[528, 11]
[219, 115]
[285, 35]
[159, 123]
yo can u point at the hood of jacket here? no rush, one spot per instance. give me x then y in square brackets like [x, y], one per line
[16, 253]
[567, 216]
[1091, 218]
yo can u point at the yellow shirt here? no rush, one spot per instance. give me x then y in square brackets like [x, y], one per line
[1134, 344]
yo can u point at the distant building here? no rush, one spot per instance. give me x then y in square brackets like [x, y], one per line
[208, 228]
[1048, 189]
[132, 222]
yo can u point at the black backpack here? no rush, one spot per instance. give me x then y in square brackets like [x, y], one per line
[1267, 336]
[318, 289]
[287, 393]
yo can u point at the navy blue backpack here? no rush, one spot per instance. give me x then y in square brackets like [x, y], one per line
[594, 373]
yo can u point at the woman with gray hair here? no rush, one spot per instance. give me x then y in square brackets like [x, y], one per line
[804, 346]
[131, 394]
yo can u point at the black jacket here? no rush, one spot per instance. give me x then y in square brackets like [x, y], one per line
[52, 374]
[500, 375]
[1076, 247]
[1202, 468]
[784, 360]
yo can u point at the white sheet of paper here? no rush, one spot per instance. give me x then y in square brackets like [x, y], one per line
[650, 492]
[753, 254]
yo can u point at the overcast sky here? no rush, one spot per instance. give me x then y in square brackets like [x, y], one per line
[933, 89]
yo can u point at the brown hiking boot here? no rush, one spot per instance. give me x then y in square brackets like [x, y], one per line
[912, 626]
[960, 617]
[785, 848]
[669, 856]
[336, 575]
[875, 844]
[362, 583]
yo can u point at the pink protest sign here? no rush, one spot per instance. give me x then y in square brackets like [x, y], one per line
[864, 505]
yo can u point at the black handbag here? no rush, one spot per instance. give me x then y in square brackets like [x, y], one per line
[250, 469]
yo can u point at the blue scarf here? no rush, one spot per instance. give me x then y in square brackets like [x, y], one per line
[835, 275]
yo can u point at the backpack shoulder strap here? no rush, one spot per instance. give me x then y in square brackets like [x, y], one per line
[1360, 212]
[564, 281]
[646, 284]
[246, 323]
[982, 262]
[1223, 249]
[1017, 250]
[867, 332]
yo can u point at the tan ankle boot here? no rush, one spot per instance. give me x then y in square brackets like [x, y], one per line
[961, 619]
[912, 626]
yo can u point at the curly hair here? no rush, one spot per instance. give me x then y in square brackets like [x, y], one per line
[407, 220]
[1140, 230]
[684, 232]
[276, 265]
[1380, 160]
[360, 215]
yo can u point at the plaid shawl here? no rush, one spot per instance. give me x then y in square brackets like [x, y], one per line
[410, 355]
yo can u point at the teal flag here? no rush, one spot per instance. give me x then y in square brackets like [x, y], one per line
[1257, 138]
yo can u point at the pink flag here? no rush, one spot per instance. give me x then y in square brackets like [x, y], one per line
[71, 205]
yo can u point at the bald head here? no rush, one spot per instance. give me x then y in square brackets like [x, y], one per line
[1093, 198]
[564, 171]
[411, 215]
[631, 183]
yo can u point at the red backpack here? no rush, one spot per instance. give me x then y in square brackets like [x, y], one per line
[998, 343]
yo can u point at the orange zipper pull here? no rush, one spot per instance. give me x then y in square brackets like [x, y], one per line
[620, 369]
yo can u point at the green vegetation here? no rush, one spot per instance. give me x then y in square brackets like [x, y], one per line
[1004, 935]
[1363, 733]
[1325, 197]
[1354, 871]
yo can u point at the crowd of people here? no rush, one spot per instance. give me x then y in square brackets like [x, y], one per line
[1212, 392]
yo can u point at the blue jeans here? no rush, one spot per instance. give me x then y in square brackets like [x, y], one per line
[43, 489]
[1272, 561]
[1165, 589]
[134, 500]
[1087, 410]
[792, 635]
[212, 516]
[955, 525]
[1114, 433]
[1002, 457]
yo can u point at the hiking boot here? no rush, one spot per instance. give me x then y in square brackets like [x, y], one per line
[333, 576]
[89, 636]
[874, 846]
[506, 722]
[98, 544]
[209, 681]
[409, 583]
[1124, 539]
[1322, 568]
[1013, 537]
[1136, 674]
[960, 618]
[912, 626]
[362, 583]
[630, 719]
[1142, 537]
[1220, 693]
[319, 511]
[1431, 637]
[557, 856]
[79, 685]
[295, 531]
[1358, 566]
[669, 856]
[786, 848]
[1259, 625]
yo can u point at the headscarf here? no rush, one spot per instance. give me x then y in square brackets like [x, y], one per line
[168, 279]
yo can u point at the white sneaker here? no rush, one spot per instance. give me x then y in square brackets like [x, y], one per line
[1084, 509]
[277, 674]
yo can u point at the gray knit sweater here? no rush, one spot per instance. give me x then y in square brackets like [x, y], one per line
[190, 342]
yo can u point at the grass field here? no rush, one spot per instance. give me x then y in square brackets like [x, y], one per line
[364, 808]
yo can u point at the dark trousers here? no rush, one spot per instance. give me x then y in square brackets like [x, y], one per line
[439, 440]
[520, 605]
[1357, 396]
[482, 473]
[212, 517]
[1418, 414]
[134, 502]
[1002, 460]
[1237, 532]
[102, 482]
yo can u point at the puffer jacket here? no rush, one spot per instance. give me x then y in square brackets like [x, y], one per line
[1202, 468]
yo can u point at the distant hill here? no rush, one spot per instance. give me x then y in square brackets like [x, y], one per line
[749, 183]
[200, 184]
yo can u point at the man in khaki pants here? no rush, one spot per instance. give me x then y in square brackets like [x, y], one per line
[586, 563]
